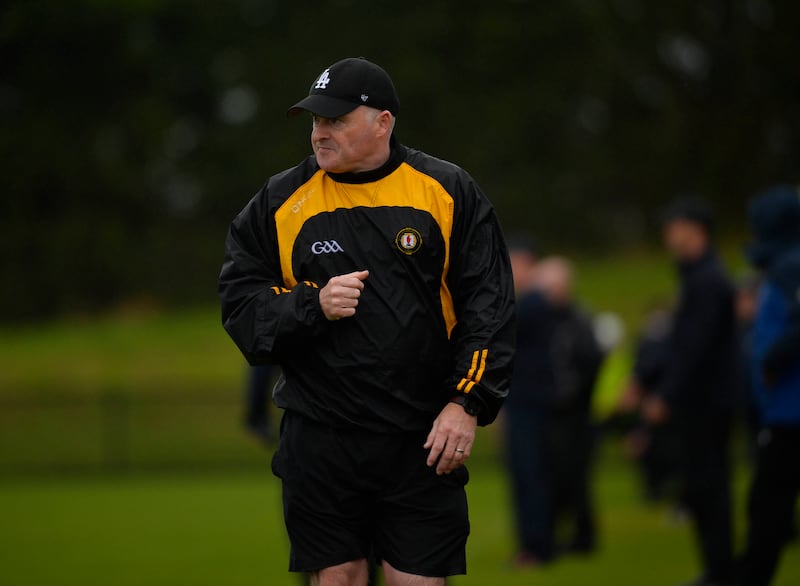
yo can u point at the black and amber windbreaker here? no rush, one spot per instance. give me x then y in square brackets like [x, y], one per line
[436, 314]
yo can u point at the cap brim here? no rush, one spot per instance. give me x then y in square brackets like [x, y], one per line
[324, 106]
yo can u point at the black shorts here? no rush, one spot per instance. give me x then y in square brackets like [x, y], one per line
[349, 494]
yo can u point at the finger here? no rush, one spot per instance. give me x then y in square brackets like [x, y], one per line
[435, 453]
[437, 449]
[349, 283]
[339, 286]
[459, 457]
[447, 461]
[346, 312]
[345, 301]
[355, 279]
[431, 435]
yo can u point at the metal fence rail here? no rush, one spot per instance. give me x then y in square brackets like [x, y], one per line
[114, 431]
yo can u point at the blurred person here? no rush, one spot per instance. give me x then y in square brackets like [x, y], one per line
[523, 254]
[775, 221]
[653, 447]
[527, 411]
[746, 410]
[699, 387]
[256, 403]
[576, 357]
[378, 278]
[548, 434]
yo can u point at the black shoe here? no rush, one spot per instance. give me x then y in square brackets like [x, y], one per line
[579, 547]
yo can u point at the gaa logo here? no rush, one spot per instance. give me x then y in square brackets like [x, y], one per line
[408, 240]
[326, 247]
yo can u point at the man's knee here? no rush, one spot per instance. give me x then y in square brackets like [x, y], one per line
[347, 574]
[395, 577]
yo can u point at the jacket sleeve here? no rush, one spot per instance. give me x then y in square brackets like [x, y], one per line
[261, 315]
[785, 351]
[695, 331]
[480, 282]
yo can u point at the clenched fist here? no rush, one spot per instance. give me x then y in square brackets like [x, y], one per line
[339, 298]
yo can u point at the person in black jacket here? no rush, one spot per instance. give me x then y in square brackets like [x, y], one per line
[378, 278]
[576, 357]
[699, 388]
[256, 403]
[549, 437]
[528, 411]
[652, 446]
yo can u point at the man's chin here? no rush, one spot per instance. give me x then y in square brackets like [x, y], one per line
[328, 166]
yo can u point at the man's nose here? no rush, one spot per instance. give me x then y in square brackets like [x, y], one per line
[319, 130]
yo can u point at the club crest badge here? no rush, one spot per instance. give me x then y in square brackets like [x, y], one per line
[408, 240]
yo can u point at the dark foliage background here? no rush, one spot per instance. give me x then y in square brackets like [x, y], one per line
[133, 131]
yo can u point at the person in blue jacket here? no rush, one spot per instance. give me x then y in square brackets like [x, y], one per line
[775, 369]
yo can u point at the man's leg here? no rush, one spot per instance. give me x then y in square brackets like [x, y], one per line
[708, 493]
[326, 510]
[534, 511]
[395, 577]
[585, 526]
[771, 506]
[348, 574]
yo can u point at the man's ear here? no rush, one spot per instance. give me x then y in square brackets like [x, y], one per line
[385, 121]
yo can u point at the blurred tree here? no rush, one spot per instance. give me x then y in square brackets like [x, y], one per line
[133, 131]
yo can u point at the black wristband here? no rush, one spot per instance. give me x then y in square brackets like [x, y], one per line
[470, 405]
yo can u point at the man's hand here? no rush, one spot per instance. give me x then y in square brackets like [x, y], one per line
[655, 410]
[451, 438]
[339, 297]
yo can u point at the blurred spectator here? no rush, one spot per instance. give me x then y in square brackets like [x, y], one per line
[549, 438]
[257, 400]
[527, 411]
[576, 358]
[775, 220]
[654, 447]
[699, 387]
[746, 410]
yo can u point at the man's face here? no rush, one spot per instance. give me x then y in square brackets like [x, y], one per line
[348, 144]
[523, 265]
[686, 240]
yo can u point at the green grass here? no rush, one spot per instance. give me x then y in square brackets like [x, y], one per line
[160, 393]
[198, 530]
[182, 351]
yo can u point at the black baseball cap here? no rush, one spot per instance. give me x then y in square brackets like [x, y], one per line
[691, 209]
[347, 84]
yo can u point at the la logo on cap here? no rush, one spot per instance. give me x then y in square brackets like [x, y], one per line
[323, 80]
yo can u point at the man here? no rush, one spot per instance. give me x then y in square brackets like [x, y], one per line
[378, 278]
[699, 387]
[527, 413]
[576, 357]
[775, 219]
[652, 446]
[547, 415]
[256, 404]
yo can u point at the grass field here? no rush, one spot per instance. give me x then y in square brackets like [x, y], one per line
[142, 475]
[198, 530]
